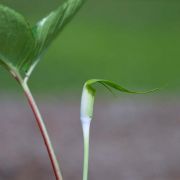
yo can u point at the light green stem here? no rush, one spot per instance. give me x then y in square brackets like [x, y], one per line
[86, 133]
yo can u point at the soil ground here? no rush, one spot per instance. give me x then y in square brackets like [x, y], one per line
[132, 139]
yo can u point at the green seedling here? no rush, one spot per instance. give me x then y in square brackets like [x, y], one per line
[86, 112]
[21, 48]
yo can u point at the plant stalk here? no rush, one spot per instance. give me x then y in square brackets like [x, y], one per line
[43, 130]
[86, 133]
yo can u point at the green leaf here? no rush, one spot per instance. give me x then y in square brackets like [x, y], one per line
[88, 95]
[16, 39]
[21, 46]
[49, 27]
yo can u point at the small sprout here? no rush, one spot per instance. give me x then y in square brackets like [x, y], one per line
[86, 112]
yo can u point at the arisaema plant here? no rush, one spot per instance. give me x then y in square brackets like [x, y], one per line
[86, 111]
[21, 48]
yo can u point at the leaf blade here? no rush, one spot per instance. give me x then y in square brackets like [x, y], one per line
[16, 39]
[49, 27]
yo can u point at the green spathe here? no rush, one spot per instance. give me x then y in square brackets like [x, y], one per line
[88, 94]
[86, 112]
[21, 45]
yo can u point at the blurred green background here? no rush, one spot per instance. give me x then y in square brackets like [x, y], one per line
[133, 42]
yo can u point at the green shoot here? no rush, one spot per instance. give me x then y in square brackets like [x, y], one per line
[86, 112]
[21, 48]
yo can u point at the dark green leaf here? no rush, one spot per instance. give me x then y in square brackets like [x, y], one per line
[16, 39]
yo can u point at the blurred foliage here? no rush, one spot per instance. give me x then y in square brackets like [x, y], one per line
[133, 42]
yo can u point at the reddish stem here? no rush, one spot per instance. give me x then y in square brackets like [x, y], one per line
[44, 132]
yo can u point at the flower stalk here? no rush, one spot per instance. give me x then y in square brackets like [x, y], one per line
[86, 134]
